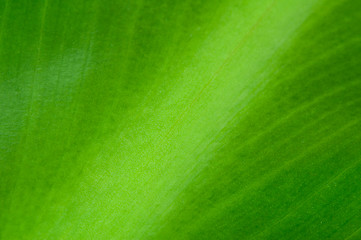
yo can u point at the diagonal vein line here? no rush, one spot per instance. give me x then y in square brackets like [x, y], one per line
[220, 69]
[275, 172]
[357, 231]
[35, 73]
[318, 190]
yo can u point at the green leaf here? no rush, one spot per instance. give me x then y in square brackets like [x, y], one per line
[195, 119]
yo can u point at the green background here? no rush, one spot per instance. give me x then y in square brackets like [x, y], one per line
[189, 119]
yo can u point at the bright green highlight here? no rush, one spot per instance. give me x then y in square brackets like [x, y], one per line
[180, 119]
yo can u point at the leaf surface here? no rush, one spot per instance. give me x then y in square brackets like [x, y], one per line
[180, 119]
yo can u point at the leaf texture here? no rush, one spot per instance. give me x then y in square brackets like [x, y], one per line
[180, 119]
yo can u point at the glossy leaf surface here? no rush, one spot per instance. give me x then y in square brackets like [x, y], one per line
[193, 119]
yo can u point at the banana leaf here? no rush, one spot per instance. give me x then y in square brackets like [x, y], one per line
[169, 119]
